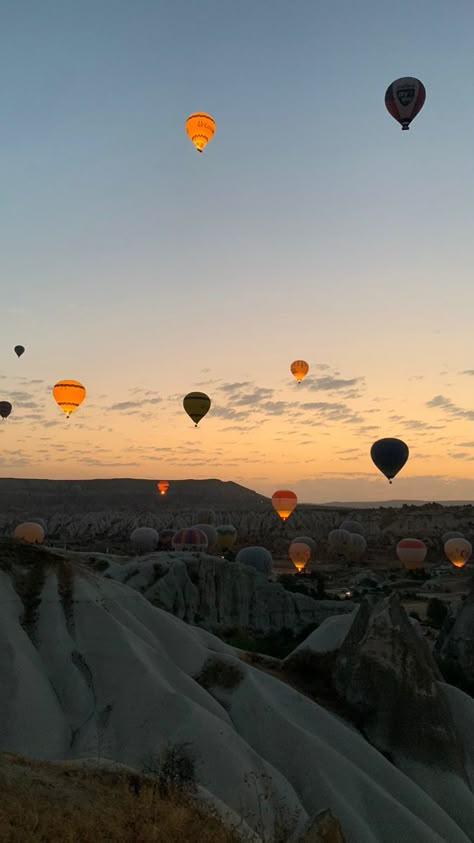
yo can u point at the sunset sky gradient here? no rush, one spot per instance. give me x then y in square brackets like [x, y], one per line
[311, 227]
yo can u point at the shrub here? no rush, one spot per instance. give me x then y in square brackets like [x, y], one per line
[436, 612]
[218, 673]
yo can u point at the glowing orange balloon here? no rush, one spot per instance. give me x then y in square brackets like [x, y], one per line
[458, 551]
[284, 503]
[163, 487]
[300, 554]
[68, 395]
[200, 127]
[299, 368]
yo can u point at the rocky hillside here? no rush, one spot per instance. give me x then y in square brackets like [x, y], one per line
[90, 669]
[103, 513]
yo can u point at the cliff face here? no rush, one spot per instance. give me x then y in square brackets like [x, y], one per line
[455, 646]
[205, 590]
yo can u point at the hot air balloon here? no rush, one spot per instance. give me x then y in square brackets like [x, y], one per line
[352, 526]
[451, 534]
[458, 551]
[196, 404]
[299, 369]
[404, 99]
[284, 503]
[5, 409]
[256, 557]
[226, 537]
[145, 539]
[306, 540]
[411, 553]
[300, 554]
[339, 541]
[30, 532]
[208, 531]
[162, 486]
[357, 547]
[200, 127]
[68, 395]
[389, 455]
[19, 350]
[190, 539]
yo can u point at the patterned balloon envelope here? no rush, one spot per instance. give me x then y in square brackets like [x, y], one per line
[284, 502]
[404, 99]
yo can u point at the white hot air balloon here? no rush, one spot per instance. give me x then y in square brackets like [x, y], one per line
[411, 553]
[458, 551]
[256, 557]
[145, 539]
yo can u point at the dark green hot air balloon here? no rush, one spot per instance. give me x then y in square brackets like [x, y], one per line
[389, 455]
[5, 409]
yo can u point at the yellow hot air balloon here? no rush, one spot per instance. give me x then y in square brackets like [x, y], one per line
[200, 127]
[196, 404]
[458, 551]
[299, 553]
[29, 531]
[299, 368]
[68, 395]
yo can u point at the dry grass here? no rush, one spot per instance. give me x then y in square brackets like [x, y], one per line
[44, 803]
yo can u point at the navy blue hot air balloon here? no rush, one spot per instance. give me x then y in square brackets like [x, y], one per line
[389, 455]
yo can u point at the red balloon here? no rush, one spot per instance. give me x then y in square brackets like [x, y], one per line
[404, 99]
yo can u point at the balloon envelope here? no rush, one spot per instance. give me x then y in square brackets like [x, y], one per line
[200, 127]
[404, 99]
[357, 547]
[389, 455]
[352, 527]
[451, 534]
[196, 404]
[5, 409]
[306, 540]
[209, 531]
[69, 394]
[411, 553]
[256, 557]
[19, 350]
[339, 541]
[284, 502]
[162, 486]
[226, 537]
[189, 538]
[299, 369]
[300, 554]
[145, 539]
[29, 531]
[458, 551]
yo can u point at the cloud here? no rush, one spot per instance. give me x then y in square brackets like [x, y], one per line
[236, 386]
[257, 395]
[449, 407]
[466, 444]
[467, 372]
[329, 383]
[135, 405]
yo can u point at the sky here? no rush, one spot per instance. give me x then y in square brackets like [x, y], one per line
[311, 227]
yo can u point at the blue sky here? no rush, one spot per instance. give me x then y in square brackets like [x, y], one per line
[310, 227]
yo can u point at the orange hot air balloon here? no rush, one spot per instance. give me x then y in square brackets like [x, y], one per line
[163, 487]
[299, 368]
[458, 551]
[300, 554]
[68, 395]
[200, 127]
[284, 503]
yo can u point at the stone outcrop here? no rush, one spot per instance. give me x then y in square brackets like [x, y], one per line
[385, 672]
[455, 646]
[325, 828]
[211, 592]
